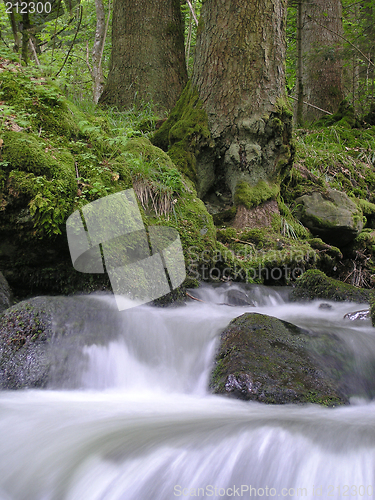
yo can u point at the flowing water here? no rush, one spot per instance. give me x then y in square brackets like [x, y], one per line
[143, 426]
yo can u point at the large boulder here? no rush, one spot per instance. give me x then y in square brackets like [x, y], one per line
[5, 294]
[42, 340]
[314, 284]
[262, 358]
[332, 216]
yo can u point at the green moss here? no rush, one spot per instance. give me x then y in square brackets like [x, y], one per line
[314, 284]
[226, 235]
[252, 196]
[184, 132]
[367, 208]
[344, 117]
[274, 356]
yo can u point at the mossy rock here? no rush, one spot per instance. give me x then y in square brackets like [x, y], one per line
[344, 117]
[334, 217]
[368, 210]
[314, 284]
[261, 358]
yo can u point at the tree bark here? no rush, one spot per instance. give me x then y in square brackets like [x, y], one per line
[148, 59]
[300, 97]
[321, 47]
[97, 52]
[239, 72]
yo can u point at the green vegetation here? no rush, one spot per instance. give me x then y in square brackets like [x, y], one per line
[185, 132]
[252, 196]
[314, 284]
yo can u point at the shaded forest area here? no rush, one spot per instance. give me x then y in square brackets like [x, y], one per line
[249, 129]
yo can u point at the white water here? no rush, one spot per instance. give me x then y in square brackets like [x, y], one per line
[143, 425]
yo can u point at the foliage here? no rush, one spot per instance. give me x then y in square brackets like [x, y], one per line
[336, 156]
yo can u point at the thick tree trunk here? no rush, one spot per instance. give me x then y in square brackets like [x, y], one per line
[299, 65]
[148, 59]
[321, 47]
[239, 72]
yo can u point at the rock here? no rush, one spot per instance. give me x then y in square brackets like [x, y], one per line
[332, 216]
[5, 294]
[236, 297]
[358, 315]
[314, 284]
[324, 305]
[42, 340]
[264, 359]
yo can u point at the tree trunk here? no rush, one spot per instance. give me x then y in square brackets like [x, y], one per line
[25, 37]
[97, 52]
[239, 72]
[148, 60]
[322, 79]
[299, 119]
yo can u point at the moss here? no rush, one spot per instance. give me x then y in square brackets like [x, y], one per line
[314, 284]
[367, 208]
[252, 196]
[264, 359]
[319, 244]
[184, 132]
[344, 117]
[226, 235]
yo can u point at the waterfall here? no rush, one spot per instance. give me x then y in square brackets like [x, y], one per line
[142, 425]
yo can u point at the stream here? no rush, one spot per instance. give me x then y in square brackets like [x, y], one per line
[142, 425]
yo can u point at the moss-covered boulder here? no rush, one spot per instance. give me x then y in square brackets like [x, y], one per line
[314, 284]
[42, 340]
[5, 294]
[261, 358]
[332, 216]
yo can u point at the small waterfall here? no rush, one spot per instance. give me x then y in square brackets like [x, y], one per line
[142, 425]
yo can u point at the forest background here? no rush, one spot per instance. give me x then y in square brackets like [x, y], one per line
[71, 46]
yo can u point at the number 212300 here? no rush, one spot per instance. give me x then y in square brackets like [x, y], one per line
[28, 7]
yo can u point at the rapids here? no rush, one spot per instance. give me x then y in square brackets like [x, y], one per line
[142, 424]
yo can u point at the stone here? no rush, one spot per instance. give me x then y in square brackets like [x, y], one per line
[235, 297]
[314, 284]
[332, 216]
[264, 359]
[358, 315]
[42, 340]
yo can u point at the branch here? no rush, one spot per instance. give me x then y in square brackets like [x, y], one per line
[345, 40]
[105, 32]
[192, 11]
[75, 36]
[312, 105]
[34, 52]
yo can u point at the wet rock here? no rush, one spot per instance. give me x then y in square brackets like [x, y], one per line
[324, 305]
[238, 298]
[332, 216]
[42, 340]
[314, 284]
[264, 359]
[358, 315]
[5, 294]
